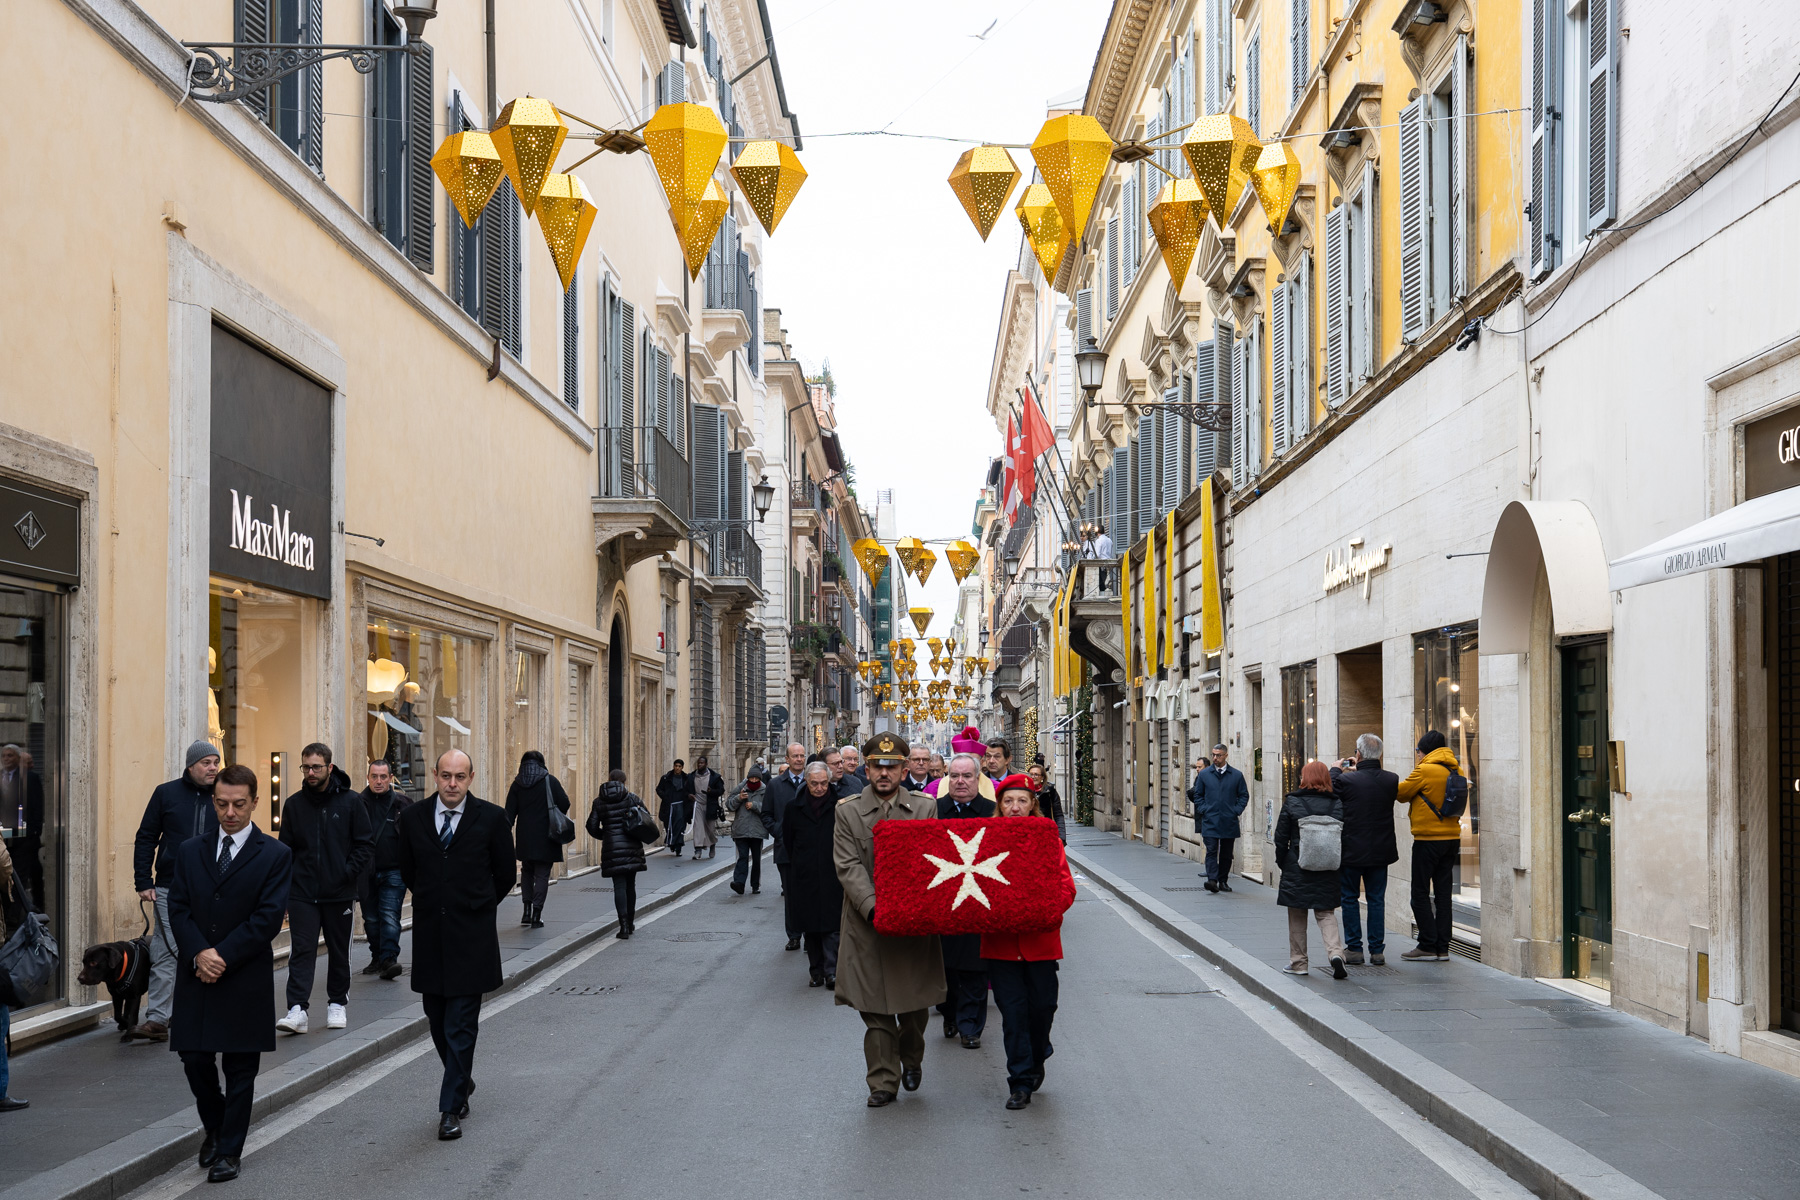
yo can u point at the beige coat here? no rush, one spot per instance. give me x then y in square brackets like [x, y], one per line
[877, 973]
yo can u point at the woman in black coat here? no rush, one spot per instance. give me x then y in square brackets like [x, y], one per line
[621, 854]
[528, 802]
[1049, 800]
[1320, 891]
[815, 898]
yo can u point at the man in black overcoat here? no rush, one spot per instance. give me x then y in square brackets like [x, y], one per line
[965, 981]
[226, 899]
[784, 788]
[456, 856]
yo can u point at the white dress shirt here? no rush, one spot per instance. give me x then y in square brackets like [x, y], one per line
[237, 841]
[456, 816]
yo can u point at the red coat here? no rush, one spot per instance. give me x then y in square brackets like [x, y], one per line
[1044, 945]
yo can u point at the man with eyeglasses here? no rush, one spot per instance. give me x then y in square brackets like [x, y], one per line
[326, 825]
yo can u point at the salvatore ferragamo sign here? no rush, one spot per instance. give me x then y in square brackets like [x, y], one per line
[1352, 564]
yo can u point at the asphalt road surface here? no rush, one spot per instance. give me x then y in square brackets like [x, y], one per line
[694, 1060]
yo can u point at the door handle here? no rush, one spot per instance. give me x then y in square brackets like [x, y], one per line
[1607, 821]
[1584, 815]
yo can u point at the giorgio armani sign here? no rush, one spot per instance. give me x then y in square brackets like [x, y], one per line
[271, 471]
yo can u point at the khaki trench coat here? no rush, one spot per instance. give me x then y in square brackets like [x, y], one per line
[877, 973]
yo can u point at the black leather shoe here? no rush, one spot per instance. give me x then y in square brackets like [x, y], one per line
[209, 1151]
[223, 1170]
[1018, 1099]
[911, 1077]
[462, 1114]
[881, 1099]
[374, 966]
[1223, 886]
[448, 1129]
[391, 970]
[793, 943]
[831, 982]
[737, 887]
[624, 934]
[1211, 886]
[971, 1043]
[13, 1104]
[949, 1028]
[816, 981]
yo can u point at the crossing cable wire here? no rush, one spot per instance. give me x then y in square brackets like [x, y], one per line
[1610, 229]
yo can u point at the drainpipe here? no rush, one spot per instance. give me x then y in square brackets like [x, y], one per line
[493, 87]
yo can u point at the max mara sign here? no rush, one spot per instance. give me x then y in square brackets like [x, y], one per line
[274, 538]
[1352, 564]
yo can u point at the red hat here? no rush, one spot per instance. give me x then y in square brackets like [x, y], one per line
[969, 742]
[1020, 782]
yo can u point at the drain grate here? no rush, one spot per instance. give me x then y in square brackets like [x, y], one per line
[1184, 889]
[1196, 992]
[581, 989]
[1092, 845]
[596, 889]
[1372, 969]
[702, 937]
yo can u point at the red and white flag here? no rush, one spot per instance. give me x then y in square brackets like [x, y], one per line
[1009, 476]
[1036, 439]
[993, 875]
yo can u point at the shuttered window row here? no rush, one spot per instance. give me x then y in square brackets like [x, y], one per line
[1352, 292]
[401, 144]
[1299, 49]
[704, 676]
[1592, 189]
[1434, 199]
[293, 107]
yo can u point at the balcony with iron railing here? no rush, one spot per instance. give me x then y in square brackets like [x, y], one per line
[734, 562]
[806, 506]
[643, 491]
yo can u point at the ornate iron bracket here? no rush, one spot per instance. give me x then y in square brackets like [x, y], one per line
[254, 66]
[1215, 418]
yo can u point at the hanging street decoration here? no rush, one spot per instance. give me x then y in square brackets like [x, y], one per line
[962, 557]
[923, 561]
[921, 619]
[566, 214]
[872, 556]
[685, 141]
[1223, 151]
[770, 174]
[527, 137]
[907, 551]
[1176, 218]
[1044, 228]
[1072, 153]
[983, 179]
[1276, 178]
[703, 226]
[470, 169]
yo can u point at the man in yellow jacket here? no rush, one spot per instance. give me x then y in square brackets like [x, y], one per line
[1437, 840]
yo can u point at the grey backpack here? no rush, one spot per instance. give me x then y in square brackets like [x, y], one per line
[1321, 843]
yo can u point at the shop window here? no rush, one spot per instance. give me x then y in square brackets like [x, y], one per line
[420, 686]
[525, 715]
[33, 765]
[1446, 697]
[258, 686]
[1299, 721]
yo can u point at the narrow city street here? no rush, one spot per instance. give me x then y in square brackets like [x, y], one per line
[694, 1060]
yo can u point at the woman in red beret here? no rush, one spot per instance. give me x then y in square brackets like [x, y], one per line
[1022, 969]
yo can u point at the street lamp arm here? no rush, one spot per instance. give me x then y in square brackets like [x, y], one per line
[235, 70]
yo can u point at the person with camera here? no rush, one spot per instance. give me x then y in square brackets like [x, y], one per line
[621, 853]
[748, 807]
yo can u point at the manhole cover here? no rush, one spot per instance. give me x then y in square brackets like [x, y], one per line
[581, 989]
[702, 937]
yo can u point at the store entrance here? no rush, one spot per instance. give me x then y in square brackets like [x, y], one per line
[1586, 816]
[616, 654]
[33, 760]
[1785, 777]
[1359, 698]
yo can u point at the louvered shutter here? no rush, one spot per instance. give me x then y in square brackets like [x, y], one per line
[1240, 374]
[1143, 457]
[627, 424]
[647, 396]
[1299, 364]
[1280, 381]
[671, 84]
[499, 254]
[421, 194]
[709, 463]
[1128, 234]
[1169, 444]
[1415, 267]
[1213, 68]
[1153, 186]
[1253, 80]
[1337, 291]
[1248, 416]
[1367, 285]
[1602, 113]
[1124, 518]
[1084, 318]
[678, 409]
[312, 91]
[1180, 462]
[665, 423]
[1546, 135]
[1112, 268]
[1223, 340]
[571, 347]
[1299, 49]
[1459, 213]
[1184, 98]
[252, 23]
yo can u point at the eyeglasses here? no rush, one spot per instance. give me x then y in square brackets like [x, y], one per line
[314, 768]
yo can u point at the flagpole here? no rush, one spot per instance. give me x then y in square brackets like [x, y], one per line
[1059, 458]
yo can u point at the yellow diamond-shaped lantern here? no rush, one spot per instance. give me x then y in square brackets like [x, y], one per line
[1222, 149]
[1276, 178]
[702, 227]
[566, 212]
[963, 558]
[1071, 154]
[937, 647]
[921, 619]
[1176, 218]
[907, 551]
[685, 141]
[983, 179]
[923, 561]
[1044, 228]
[874, 561]
[470, 169]
[906, 647]
[770, 174]
[950, 648]
[527, 136]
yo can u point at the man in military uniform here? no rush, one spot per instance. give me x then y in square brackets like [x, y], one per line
[891, 981]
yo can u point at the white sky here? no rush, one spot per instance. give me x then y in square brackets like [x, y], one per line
[876, 266]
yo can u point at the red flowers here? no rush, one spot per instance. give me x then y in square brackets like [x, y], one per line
[995, 875]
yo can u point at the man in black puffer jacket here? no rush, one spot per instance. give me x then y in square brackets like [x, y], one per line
[1369, 794]
[326, 825]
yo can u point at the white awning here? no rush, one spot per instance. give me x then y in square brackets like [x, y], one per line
[1755, 529]
[1559, 539]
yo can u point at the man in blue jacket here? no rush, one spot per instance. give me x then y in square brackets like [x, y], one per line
[1219, 796]
[178, 810]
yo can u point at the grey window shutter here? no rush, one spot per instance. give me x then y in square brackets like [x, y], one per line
[679, 407]
[1240, 372]
[1128, 230]
[647, 414]
[1368, 283]
[671, 84]
[664, 423]
[1546, 135]
[1460, 215]
[1415, 269]
[493, 256]
[1248, 416]
[1206, 391]
[1177, 448]
[312, 91]
[1337, 294]
[1184, 98]
[1224, 337]
[1143, 457]
[1169, 424]
[1084, 317]
[1300, 350]
[1280, 382]
[1124, 518]
[252, 23]
[627, 425]
[571, 347]
[1253, 80]
[1299, 49]
[709, 463]
[1214, 89]
[1602, 113]
[421, 194]
[734, 488]
[1112, 268]
[1154, 186]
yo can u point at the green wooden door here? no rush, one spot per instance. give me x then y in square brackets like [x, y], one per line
[1587, 817]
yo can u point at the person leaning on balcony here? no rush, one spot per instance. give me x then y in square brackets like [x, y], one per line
[1436, 843]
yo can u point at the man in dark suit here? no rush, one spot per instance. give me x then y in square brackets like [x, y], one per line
[965, 982]
[226, 899]
[456, 856]
[1219, 796]
[783, 788]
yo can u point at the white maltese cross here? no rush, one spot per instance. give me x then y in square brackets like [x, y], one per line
[968, 868]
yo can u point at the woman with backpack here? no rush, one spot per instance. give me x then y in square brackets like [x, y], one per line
[621, 853]
[528, 803]
[1309, 840]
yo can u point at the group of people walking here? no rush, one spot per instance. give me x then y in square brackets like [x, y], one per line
[1334, 841]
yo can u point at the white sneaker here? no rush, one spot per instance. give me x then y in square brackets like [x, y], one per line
[336, 1017]
[294, 1022]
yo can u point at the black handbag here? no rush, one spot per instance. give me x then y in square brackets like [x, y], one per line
[640, 824]
[562, 830]
[28, 960]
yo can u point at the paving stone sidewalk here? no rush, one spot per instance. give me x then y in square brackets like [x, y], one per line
[1661, 1107]
[90, 1091]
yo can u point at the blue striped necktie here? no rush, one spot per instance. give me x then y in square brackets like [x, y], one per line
[445, 833]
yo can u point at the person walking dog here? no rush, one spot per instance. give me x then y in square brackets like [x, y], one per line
[1309, 850]
[528, 803]
[178, 810]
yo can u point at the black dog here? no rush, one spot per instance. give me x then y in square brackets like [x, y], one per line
[124, 967]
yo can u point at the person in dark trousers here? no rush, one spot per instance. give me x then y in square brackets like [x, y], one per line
[674, 794]
[781, 791]
[621, 854]
[528, 802]
[1303, 890]
[227, 892]
[964, 1008]
[456, 854]
[12, 911]
[815, 899]
[178, 810]
[1437, 841]
[1368, 793]
[326, 825]
[22, 807]
[383, 891]
[1219, 795]
[1023, 969]
[709, 808]
[1049, 801]
[750, 821]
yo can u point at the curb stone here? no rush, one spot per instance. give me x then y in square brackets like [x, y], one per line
[1548, 1164]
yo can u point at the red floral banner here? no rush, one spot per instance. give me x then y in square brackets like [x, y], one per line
[993, 875]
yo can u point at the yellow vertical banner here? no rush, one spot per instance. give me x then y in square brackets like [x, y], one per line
[1212, 616]
[1056, 646]
[1073, 663]
[1125, 607]
[1150, 602]
[1169, 593]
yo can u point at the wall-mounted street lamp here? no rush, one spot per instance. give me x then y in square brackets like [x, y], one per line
[1090, 367]
[225, 71]
[762, 496]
